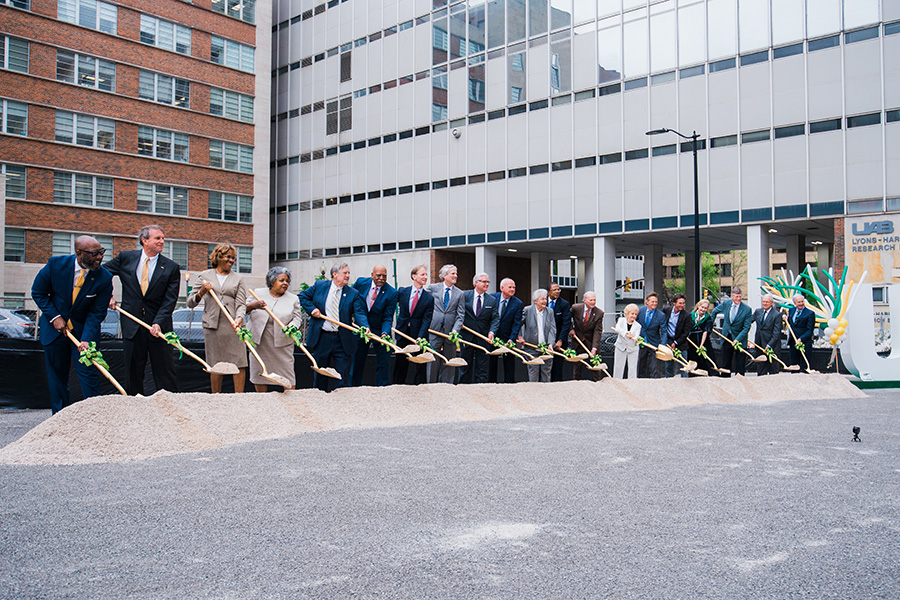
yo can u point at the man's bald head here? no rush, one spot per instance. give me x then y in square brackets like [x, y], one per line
[88, 252]
[379, 275]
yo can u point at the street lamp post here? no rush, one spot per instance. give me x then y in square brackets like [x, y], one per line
[698, 274]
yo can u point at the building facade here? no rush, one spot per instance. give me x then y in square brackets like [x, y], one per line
[123, 113]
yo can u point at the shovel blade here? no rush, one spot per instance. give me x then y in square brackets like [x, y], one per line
[700, 372]
[409, 349]
[328, 372]
[456, 362]
[224, 368]
[277, 379]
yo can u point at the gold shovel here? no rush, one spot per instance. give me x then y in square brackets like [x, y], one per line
[100, 368]
[220, 368]
[451, 362]
[797, 341]
[327, 371]
[741, 348]
[666, 354]
[597, 367]
[715, 367]
[775, 356]
[464, 342]
[525, 358]
[405, 350]
[273, 377]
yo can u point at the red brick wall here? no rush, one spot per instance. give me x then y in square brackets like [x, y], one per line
[465, 266]
[839, 258]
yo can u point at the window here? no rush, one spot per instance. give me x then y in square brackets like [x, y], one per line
[231, 54]
[88, 13]
[13, 54]
[85, 70]
[245, 10]
[165, 35]
[346, 66]
[244, 262]
[754, 136]
[177, 251]
[725, 270]
[86, 190]
[233, 157]
[13, 117]
[64, 243]
[162, 199]
[14, 245]
[864, 120]
[15, 180]
[84, 130]
[164, 89]
[230, 207]
[338, 115]
[23, 4]
[231, 104]
[160, 143]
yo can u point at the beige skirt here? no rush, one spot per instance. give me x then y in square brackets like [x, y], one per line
[223, 345]
[279, 360]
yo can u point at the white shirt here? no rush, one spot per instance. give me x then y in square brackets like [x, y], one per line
[151, 266]
[539, 318]
[78, 270]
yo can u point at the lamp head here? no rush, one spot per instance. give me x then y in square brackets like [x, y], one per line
[657, 131]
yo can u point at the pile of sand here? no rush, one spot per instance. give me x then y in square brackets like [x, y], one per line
[117, 428]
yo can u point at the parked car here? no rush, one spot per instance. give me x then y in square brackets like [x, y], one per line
[109, 328]
[14, 325]
[188, 324]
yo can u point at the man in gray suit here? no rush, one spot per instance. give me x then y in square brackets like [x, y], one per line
[538, 327]
[449, 312]
[768, 334]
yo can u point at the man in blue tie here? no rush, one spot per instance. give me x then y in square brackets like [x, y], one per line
[653, 330]
[562, 313]
[735, 327]
[510, 309]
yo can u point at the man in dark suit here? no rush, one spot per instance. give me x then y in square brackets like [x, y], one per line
[449, 312]
[510, 310]
[381, 300]
[562, 313]
[339, 301]
[72, 292]
[480, 315]
[150, 285]
[678, 326]
[768, 334]
[414, 318]
[587, 326]
[653, 330]
[803, 323]
[735, 327]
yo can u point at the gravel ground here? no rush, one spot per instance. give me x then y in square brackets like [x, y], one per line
[710, 501]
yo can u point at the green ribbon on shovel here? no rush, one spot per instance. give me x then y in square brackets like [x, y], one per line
[770, 354]
[544, 348]
[245, 335]
[701, 351]
[800, 346]
[454, 339]
[293, 333]
[87, 357]
[363, 334]
[173, 339]
[595, 360]
[570, 353]
[424, 345]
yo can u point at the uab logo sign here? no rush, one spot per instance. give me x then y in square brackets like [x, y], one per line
[879, 227]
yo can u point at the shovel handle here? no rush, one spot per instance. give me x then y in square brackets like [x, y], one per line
[106, 373]
[267, 309]
[133, 318]
[412, 340]
[233, 323]
[463, 342]
[732, 342]
[580, 343]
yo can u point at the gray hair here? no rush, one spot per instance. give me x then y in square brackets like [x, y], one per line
[273, 274]
[799, 296]
[585, 295]
[144, 233]
[479, 276]
[337, 267]
[737, 290]
[538, 293]
[769, 296]
[446, 269]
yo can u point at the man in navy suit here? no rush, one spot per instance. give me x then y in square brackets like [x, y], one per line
[510, 310]
[768, 334]
[150, 285]
[803, 323]
[562, 312]
[480, 315]
[339, 301]
[381, 300]
[414, 318]
[735, 326]
[678, 326]
[72, 291]
[653, 330]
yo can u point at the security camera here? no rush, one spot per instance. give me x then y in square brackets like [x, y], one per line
[456, 133]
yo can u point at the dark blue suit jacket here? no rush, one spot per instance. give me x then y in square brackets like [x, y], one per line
[485, 322]
[157, 305]
[655, 332]
[417, 324]
[511, 319]
[52, 292]
[562, 311]
[804, 327]
[352, 309]
[381, 316]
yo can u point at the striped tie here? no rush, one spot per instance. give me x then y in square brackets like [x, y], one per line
[333, 309]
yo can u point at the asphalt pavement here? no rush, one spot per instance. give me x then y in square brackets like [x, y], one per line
[711, 501]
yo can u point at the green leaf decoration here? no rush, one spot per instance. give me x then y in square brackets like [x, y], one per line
[737, 346]
[800, 346]
[770, 354]
[454, 339]
[292, 332]
[676, 353]
[245, 336]
[363, 334]
[173, 339]
[91, 355]
[510, 344]
[595, 360]
[570, 353]
[424, 345]
[544, 348]
[498, 343]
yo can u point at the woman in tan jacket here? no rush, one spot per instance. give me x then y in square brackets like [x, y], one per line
[220, 340]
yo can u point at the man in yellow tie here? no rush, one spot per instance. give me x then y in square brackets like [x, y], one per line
[72, 292]
[150, 286]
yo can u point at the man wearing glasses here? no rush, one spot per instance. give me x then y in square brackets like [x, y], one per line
[481, 315]
[72, 293]
[150, 286]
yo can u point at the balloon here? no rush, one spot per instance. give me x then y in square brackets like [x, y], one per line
[839, 331]
[829, 332]
[834, 323]
[834, 339]
[844, 323]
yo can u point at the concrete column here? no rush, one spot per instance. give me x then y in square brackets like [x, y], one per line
[795, 253]
[653, 269]
[689, 278]
[757, 262]
[585, 276]
[486, 262]
[826, 255]
[540, 271]
[604, 278]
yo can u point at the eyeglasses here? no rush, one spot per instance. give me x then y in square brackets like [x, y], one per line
[94, 253]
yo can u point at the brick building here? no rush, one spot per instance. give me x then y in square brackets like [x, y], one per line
[121, 113]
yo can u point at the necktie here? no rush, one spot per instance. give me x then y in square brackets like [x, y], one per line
[78, 283]
[373, 297]
[502, 307]
[333, 309]
[415, 301]
[145, 276]
[733, 312]
[587, 314]
[552, 304]
[446, 297]
[796, 314]
[478, 306]
[649, 318]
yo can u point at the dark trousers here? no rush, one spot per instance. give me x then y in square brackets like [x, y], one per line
[733, 360]
[505, 361]
[161, 360]
[328, 349]
[649, 367]
[59, 355]
[476, 369]
[401, 368]
[578, 370]
[767, 368]
[797, 356]
[382, 364]
[556, 369]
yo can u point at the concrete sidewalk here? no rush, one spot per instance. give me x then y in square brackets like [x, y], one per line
[711, 501]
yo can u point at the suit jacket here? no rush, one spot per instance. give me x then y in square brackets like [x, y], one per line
[529, 331]
[682, 327]
[511, 319]
[381, 316]
[562, 312]
[451, 318]
[487, 321]
[623, 343]
[233, 295]
[738, 329]
[417, 324]
[286, 308]
[157, 304]
[768, 330]
[352, 309]
[654, 332]
[591, 333]
[52, 292]
[804, 327]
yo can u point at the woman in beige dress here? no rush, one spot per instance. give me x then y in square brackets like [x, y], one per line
[220, 340]
[275, 349]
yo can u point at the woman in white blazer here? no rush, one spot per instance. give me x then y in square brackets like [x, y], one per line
[628, 329]
[274, 348]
